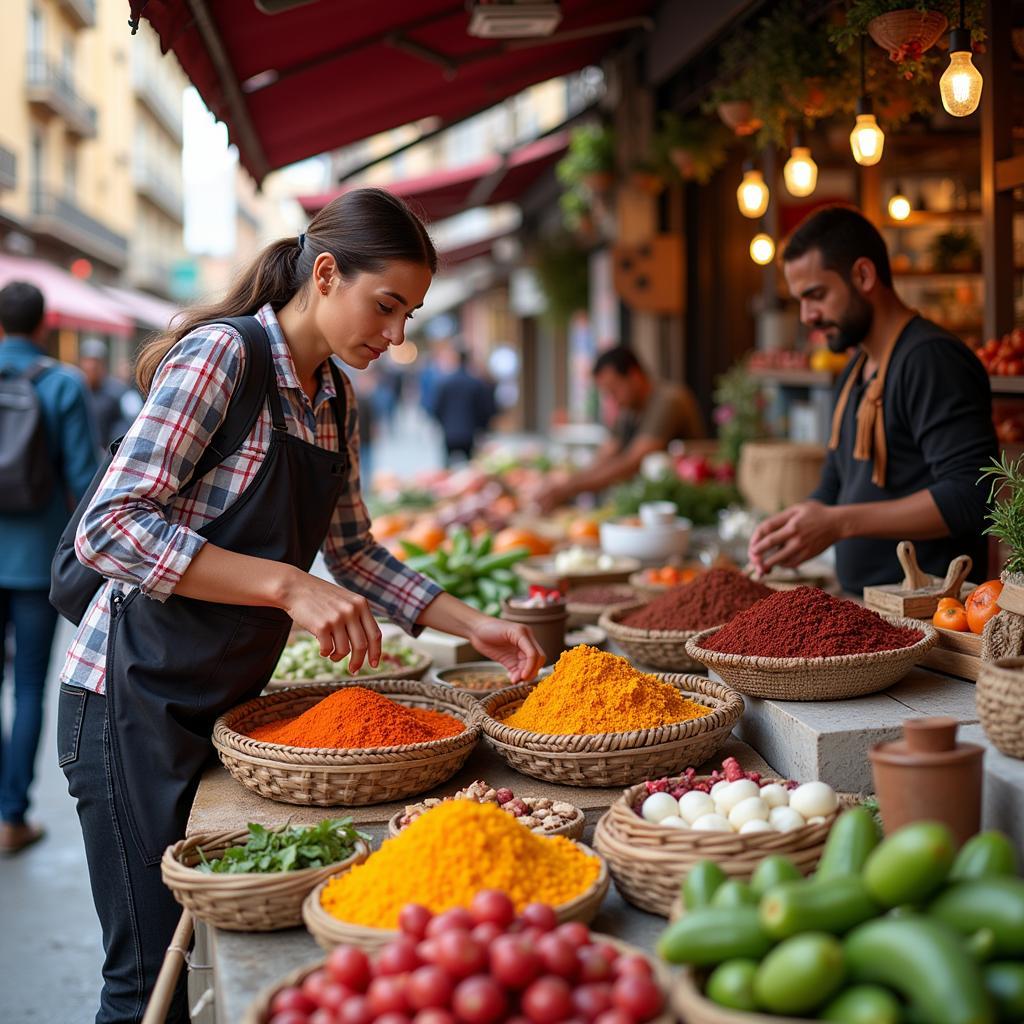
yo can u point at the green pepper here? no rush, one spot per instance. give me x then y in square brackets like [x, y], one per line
[504, 560]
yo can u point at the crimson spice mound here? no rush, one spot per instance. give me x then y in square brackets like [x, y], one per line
[712, 598]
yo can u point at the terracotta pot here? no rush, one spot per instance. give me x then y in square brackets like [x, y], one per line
[929, 776]
[647, 182]
[683, 161]
[739, 116]
[547, 623]
[898, 29]
[599, 183]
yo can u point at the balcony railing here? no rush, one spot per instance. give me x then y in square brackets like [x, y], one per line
[62, 219]
[160, 105]
[158, 187]
[8, 168]
[50, 88]
[81, 12]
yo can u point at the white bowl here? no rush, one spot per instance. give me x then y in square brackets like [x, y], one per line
[658, 513]
[648, 543]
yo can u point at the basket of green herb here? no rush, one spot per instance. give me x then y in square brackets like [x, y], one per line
[255, 879]
[301, 663]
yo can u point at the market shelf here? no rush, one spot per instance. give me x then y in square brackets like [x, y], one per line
[796, 378]
[1007, 385]
[919, 217]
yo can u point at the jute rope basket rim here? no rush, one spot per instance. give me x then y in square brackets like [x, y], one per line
[999, 695]
[417, 670]
[295, 700]
[247, 901]
[714, 659]
[726, 703]
[572, 829]
[893, 29]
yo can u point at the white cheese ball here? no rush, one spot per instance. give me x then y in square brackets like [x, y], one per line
[694, 805]
[712, 823]
[755, 825]
[658, 806]
[718, 789]
[748, 810]
[813, 799]
[741, 789]
[775, 795]
[673, 821]
[785, 819]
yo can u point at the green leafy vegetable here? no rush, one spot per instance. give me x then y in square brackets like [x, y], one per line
[700, 503]
[287, 849]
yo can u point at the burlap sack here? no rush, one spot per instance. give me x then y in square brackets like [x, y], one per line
[1003, 637]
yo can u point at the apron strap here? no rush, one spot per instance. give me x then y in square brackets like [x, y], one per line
[843, 401]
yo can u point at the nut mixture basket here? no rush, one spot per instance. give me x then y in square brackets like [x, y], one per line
[648, 861]
[572, 829]
[615, 758]
[659, 648]
[999, 695]
[330, 932]
[355, 777]
[835, 678]
[256, 902]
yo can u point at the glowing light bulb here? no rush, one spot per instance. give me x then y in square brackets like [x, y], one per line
[867, 140]
[800, 172]
[960, 84]
[762, 249]
[752, 194]
[899, 207]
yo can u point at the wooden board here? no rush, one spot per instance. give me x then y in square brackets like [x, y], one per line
[959, 654]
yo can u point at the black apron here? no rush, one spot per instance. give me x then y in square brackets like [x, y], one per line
[172, 668]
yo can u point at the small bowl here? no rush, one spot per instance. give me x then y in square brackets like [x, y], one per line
[443, 676]
[658, 513]
[630, 539]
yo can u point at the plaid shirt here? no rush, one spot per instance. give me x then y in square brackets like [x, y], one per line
[140, 532]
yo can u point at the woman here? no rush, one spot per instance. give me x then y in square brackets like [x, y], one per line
[204, 577]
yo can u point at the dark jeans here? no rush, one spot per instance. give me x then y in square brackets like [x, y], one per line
[137, 913]
[34, 620]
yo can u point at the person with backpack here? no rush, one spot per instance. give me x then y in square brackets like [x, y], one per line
[206, 561]
[47, 458]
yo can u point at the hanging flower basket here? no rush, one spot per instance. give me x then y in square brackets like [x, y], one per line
[684, 162]
[650, 183]
[739, 116]
[907, 34]
[811, 98]
[598, 183]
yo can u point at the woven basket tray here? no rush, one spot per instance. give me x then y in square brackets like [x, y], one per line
[330, 932]
[583, 614]
[649, 862]
[357, 777]
[659, 648]
[835, 678]
[254, 902]
[572, 829]
[999, 695]
[897, 28]
[690, 1005]
[615, 758]
[417, 670]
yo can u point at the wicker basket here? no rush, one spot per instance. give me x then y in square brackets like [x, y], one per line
[572, 829]
[659, 648]
[897, 28]
[614, 758]
[772, 475]
[836, 678]
[999, 695]
[417, 670]
[690, 1005]
[324, 777]
[648, 861]
[583, 614]
[242, 903]
[330, 932]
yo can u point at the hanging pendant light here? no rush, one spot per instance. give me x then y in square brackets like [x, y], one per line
[752, 194]
[762, 249]
[800, 172]
[899, 205]
[866, 140]
[960, 84]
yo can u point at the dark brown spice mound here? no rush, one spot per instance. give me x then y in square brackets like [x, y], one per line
[607, 593]
[808, 623]
[712, 598]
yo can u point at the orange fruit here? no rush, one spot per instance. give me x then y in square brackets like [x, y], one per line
[981, 604]
[425, 533]
[951, 617]
[515, 537]
[950, 602]
[584, 531]
[389, 525]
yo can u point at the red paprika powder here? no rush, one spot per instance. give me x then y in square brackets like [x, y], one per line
[712, 598]
[808, 623]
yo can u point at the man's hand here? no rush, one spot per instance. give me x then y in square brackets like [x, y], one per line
[793, 536]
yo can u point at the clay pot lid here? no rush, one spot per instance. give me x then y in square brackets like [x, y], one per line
[926, 739]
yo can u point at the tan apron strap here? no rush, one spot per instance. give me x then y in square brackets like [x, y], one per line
[843, 401]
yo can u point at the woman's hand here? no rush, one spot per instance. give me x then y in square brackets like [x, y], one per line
[341, 620]
[511, 644]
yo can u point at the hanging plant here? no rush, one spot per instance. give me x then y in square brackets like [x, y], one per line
[648, 177]
[590, 160]
[576, 212]
[732, 96]
[695, 147]
[563, 275]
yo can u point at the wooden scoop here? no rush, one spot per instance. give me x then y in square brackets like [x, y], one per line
[918, 596]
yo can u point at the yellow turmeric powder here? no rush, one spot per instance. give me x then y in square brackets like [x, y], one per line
[591, 691]
[448, 855]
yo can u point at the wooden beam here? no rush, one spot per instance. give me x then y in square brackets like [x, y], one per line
[997, 146]
[1009, 173]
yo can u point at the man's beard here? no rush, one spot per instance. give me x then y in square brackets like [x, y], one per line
[853, 327]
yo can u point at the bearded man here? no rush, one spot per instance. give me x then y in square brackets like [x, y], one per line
[912, 424]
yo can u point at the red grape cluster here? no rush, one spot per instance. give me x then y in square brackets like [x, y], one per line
[483, 965]
[731, 771]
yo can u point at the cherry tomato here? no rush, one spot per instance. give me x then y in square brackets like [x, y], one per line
[607, 950]
[594, 966]
[514, 962]
[558, 956]
[493, 905]
[639, 997]
[633, 965]
[460, 954]
[332, 995]
[429, 988]
[575, 933]
[433, 1016]
[539, 915]
[413, 920]
[355, 1010]
[387, 995]
[313, 985]
[392, 1018]
[456, 918]
[398, 957]
[590, 1001]
[349, 966]
[290, 1017]
[322, 1016]
[614, 1016]
[486, 932]
[291, 999]
[548, 1000]
[427, 951]
[479, 1000]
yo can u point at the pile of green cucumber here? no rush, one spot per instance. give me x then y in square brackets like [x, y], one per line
[470, 571]
[905, 930]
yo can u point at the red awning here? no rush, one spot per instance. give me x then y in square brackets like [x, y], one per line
[70, 303]
[482, 183]
[321, 75]
[148, 312]
[469, 250]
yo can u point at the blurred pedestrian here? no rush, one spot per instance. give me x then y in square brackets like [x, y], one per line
[28, 536]
[464, 406]
[114, 405]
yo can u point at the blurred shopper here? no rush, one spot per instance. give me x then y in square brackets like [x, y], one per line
[28, 535]
[114, 405]
[464, 406]
[648, 415]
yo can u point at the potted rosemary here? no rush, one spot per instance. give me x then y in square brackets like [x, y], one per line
[1005, 477]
